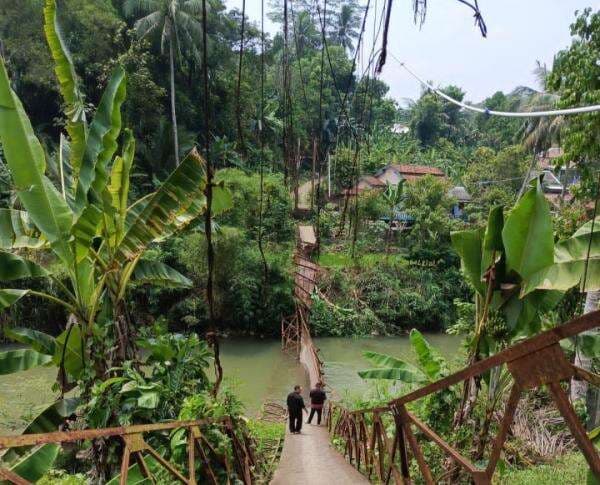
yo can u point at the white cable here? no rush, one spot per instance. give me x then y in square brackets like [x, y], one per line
[510, 114]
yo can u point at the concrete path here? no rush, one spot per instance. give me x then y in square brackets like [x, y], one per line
[309, 459]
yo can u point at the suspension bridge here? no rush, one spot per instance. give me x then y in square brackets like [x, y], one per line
[381, 442]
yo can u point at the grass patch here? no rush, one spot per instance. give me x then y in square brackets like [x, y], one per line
[344, 259]
[570, 469]
[269, 441]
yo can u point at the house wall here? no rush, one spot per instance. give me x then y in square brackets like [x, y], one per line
[390, 175]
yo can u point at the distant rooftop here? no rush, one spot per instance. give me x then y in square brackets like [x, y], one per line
[460, 193]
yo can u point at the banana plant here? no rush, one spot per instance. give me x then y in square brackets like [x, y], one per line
[86, 222]
[91, 228]
[500, 259]
[430, 366]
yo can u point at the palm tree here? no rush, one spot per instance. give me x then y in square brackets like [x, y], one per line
[539, 134]
[347, 24]
[305, 33]
[174, 21]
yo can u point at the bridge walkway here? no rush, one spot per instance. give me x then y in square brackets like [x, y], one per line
[309, 458]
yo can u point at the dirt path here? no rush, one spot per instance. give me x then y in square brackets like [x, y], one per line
[304, 191]
[309, 459]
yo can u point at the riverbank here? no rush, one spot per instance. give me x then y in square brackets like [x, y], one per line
[256, 369]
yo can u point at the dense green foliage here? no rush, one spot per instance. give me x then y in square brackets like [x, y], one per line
[102, 194]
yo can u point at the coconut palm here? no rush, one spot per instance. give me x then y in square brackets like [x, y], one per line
[174, 22]
[348, 22]
[539, 133]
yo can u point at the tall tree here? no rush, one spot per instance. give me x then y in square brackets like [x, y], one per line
[575, 77]
[347, 25]
[174, 21]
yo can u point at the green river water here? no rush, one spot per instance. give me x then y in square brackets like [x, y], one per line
[256, 369]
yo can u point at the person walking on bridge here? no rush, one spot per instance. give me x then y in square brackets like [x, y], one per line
[317, 399]
[295, 405]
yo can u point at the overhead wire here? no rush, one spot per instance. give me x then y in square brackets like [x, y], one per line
[238, 107]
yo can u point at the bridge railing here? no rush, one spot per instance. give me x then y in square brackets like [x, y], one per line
[136, 449]
[538, 361]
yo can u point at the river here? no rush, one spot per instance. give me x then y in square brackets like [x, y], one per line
[257, 370]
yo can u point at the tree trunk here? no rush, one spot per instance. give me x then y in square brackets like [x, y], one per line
[173, 114]
[579, 388]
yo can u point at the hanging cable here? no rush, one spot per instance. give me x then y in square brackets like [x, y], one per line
[302, 82]
[261, 125]
[320, 133]
[510, 114]
[238, 106]
[420, 8]
[212, 337]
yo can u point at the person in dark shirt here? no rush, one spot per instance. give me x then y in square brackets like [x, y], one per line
[295, 405]
[317, 399]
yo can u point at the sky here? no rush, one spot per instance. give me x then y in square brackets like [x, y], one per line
[449, 49]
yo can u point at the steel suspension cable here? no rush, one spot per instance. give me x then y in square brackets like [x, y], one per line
[320, 133]
[210, 255]
[261, 125]
[510, 114]
[238, 110]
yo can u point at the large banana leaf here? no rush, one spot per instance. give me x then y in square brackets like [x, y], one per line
[53, 416]
[528, 234]
[85, 230]
[69, 85]
[13, 267]
[17, 231]
[36, 463]
[158, 273]
[10, 296]
[569, 264]
[468, 245]
[119, 185]
[21, 359]
[101, 142]
[39, 341]
[390, 368]
[430, 361]
[148, 221]
[493, 247]
[69, 348]
[26, 162]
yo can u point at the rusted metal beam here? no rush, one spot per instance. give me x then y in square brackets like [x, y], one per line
[12, 477]
[539, 342]
[437, 439]
[87, 434]
[577, 430]
[509, 414]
